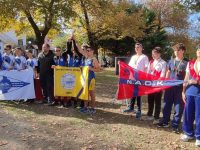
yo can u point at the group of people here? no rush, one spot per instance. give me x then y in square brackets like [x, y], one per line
[43, 67]
[185, 97]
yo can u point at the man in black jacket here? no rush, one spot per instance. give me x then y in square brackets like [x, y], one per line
[45, 61]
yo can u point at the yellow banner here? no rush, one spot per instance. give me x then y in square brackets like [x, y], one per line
[71, 82]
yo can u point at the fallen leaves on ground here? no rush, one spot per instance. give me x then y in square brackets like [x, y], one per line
[4, 125]
[3, 143]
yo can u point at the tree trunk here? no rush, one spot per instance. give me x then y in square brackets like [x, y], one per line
[41, 34]
[88, 28]
[40, 41]
[159, 20]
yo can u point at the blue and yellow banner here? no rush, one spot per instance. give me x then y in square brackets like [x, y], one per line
[71, 82]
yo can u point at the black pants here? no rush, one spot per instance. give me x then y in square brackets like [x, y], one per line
[46, 82]
[132, 103]
[154, 98]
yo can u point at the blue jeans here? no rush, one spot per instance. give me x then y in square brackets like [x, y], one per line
[173, 96]
[191, 113]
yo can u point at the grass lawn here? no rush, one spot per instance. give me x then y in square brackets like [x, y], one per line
[41, 127]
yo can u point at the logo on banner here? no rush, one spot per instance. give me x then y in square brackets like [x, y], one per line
[68, 81]
[10, 84]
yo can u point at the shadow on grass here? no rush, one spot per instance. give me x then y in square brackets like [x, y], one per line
[103, 116]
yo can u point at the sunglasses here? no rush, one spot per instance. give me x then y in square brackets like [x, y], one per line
[57, 51]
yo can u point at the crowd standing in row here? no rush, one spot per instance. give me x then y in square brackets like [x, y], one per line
[45, 63]
[187, 94]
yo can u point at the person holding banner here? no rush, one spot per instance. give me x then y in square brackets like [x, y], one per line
[191, 96]
[20, 61]
[84, 48]
[140, 62]
[8, 58]
[45, 61]
[156, 67]
[59, 61]
[31, 63]
[58, 58]
[73, 58]
[175, 70]
[94, 66]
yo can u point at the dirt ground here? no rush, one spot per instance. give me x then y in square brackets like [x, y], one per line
[40, 127]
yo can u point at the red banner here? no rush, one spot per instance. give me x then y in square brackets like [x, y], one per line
[134, 83]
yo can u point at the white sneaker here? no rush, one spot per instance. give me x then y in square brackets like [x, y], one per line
[156, 121]
[186, 138]
[197, 143]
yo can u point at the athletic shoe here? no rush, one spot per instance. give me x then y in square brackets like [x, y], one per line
[175, 130]
[52, 103]
[127, 110]
[186, 138]
[163, 125]
[156, 121]
[92, 111]
[84, 110]
[197, 143]
[138, 114]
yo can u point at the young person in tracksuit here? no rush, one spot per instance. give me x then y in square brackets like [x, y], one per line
[32, 63]
[140, 62]
[191, 95]
[156, 67]
[58, 58]
[73, 59]
[173, 96]
[20, 61]
[59, 61]
[45, 61]
[7, 58]
[94, 66]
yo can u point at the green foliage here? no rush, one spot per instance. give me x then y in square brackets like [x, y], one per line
[154, 35]
[108, 24]
[61, 41]
[40, 16]
[158, 38]
[151, 35]
[121, 47]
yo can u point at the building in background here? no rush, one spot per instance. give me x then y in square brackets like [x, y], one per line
[10, 37]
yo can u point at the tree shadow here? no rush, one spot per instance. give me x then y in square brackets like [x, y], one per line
[102, 116]
[104, 105]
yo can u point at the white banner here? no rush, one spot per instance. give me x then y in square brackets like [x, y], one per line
[15, 85]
